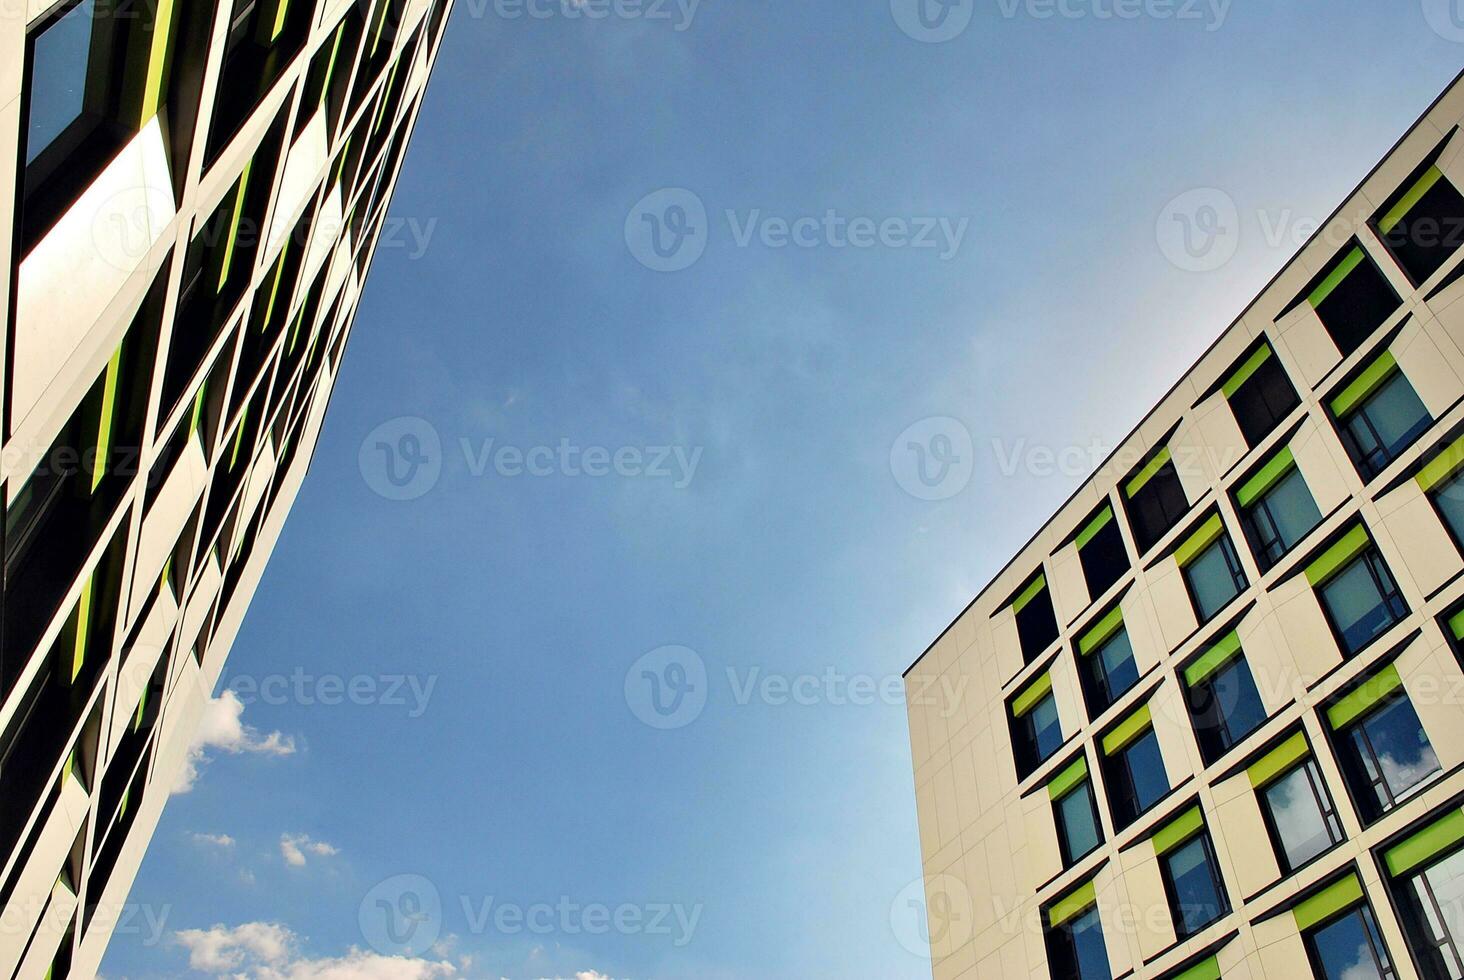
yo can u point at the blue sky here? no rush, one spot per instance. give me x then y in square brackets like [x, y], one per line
[500, 627]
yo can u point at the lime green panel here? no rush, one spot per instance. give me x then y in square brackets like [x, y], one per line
[1329, 902]
[234, 220]
[282, 13]
[1147, 473]
[1279, 761]
[1196, 543]
[1105, 629]
[1073, 904]
[1335, 558]
[1226, 649]
[104, 426]
[1440, 836]
[1456, 625]
[335, 50]
[83, 627]
[1204, 970]
[1244, 372]
[1029, 593]
[157, 61]
[1097, 524]
[1373, 690]
[1368, 382]
[1068, 780]
[1033, 695]
[1344, 269]
[1442, 466]
[1415, 193]
[274, 290]
[1179, 830]
[1254, 488]
[1131, 728]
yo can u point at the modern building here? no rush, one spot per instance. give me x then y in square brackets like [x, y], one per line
[1210, 721]
[193, 190]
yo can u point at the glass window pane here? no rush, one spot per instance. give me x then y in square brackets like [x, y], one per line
[1450, 500]
[1194, 887]
[1046, 726]
[1092, 951]
[1297, 816]
[1237, 701]
[1146, 769]
[58, 81]
[1403, 750]
[1292, 509]
[1345, 949]
[1211, 581]
[1075, 814]
[1396, 414]
[1117, 656]
[1446, 879]
[1357, 609]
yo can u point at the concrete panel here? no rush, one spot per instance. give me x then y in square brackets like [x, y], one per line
[1420, 542]
[1172, 606]
[1305, 631]
[1069, 586]
[1309, 348]
[1316, 456]
[1426, 368]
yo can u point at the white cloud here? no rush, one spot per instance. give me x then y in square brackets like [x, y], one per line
[268, 951]
[220, 949]
[213, 840]
[295, 847]
[222, 728]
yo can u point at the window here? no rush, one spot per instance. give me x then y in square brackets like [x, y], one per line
[1382, 748]
[1341, 935]
[1357, 592]
[1075, 810]
[1423, 223]
[1278, 508]
[263, 37]
[1298, 810]
[1036, 621]
[1036, 728]
[1443, 480]
[1260, 394]
[1075, 946]
[1191, 874]
[1211, 569]
[1352, 298]
[1380, 416]
[1156, 500]
[1101, 552]
[1426, 872]
[1221, 694]
[1106, 662]
[1133, 768]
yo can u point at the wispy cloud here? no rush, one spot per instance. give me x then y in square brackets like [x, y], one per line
[294, 848]
[222, 729]
[213, 840]
[269, 951]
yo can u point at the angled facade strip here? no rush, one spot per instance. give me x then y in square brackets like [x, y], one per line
[192, 194]
[1210, 721]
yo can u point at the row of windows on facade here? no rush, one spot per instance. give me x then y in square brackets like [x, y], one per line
[1423, 874]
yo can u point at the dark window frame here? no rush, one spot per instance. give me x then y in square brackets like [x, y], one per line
[1382, 958]
[1171, 889]
[1326, 806]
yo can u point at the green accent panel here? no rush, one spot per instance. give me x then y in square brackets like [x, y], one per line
[157, 61]
[341, 163]
[1102, 632]
[1097, 524]
[1071, 905]
[1243, 373]
[1456, 625]
[1415, 193]
[1196, 543]
[1150, 470]
[108, 413]
[380, 23]
[239, 436]
[1329, 902]
[1441, 835]
[1368, 382]
[167, 573]
[1179, 830]
[1279, 761]
[1373, 690]
[1068, 780]
[1204, 970]
[1344, 269]
[1442, 466]
[1226, 649]
[1031, 592]
[234, 220]
[282, 13]
[1335, 558]
[83, 627]
[335, 50]
[385, 95]
[198, 401]
[274, 290]
[1033, 695]
[1270, 474]
[1131, 728]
